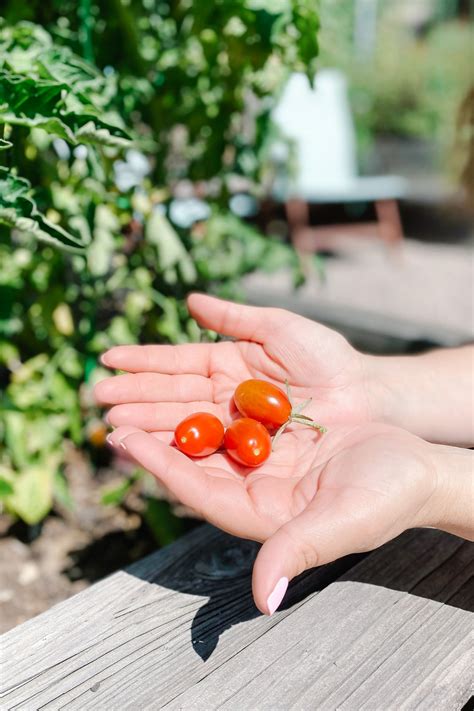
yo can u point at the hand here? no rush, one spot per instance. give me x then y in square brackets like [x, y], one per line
[164, 384]
[317, 498]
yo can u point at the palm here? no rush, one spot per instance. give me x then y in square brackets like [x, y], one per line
[351, 469]
[336, 391]
[356, 473]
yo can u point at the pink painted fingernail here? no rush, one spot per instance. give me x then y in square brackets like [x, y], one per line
[277, 595]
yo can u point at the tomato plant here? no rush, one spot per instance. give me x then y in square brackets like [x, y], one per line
[248, 442]
[96, 146]
[199, 434]
[262, 401]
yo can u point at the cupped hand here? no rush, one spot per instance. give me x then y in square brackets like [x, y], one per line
[317, 498]
[163, 384]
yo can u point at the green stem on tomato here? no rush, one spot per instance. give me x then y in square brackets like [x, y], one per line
[279, 433]
[297, 417]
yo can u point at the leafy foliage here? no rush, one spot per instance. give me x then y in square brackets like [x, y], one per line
[188, 99]
[48, 87]
[19, 211]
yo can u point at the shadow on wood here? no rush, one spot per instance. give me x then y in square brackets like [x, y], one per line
[223, 574]
[432, 565]
[179, 630]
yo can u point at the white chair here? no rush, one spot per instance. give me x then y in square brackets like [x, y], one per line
[317, 124]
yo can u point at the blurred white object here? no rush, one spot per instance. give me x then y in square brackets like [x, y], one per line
[184, 212]
[130, 172]
[80, 152]
[243, 205]
[318, 123]
[62, 149]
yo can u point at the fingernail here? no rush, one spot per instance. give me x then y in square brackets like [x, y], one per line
[277, 595]
[109, 439]
[103, 359]
[123, 445]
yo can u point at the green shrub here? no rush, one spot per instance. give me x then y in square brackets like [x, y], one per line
[83, 265]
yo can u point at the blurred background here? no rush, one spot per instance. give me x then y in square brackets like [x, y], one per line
[317, 156]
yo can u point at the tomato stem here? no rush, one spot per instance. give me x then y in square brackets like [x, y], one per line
[297, 417]
[303, 420]
[299, 408]
[279, 433]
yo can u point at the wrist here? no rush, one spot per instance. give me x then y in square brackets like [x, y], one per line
[427, 394]
[451, 506]
[383, 389]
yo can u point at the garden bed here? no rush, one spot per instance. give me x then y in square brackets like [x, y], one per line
[44, 564]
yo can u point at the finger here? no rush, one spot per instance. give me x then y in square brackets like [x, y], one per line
[321, 534]
[188, 482]
[222, 501]
[171, 360]
[153, 387]
[250, 323]
[160, 416]
[114, 439]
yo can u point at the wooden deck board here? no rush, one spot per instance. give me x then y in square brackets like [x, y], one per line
[179, 631]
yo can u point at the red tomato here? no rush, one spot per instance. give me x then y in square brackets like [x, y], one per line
[248, 442]
[262, 401]
[199, 435]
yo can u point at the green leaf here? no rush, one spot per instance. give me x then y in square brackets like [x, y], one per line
[164, 526]
[114, 496]
[90, 129]
[6, 488]
[171, 251]
[51, 124]
[4, 145]
[61, 491]
[103, 245]
[33, 491]
[46, 104]
[18, 210]
[25, 101]
[15, 434]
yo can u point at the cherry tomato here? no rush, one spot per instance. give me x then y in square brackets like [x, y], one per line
[262, 401]
[96, 433]
[199, 434]
[248, 442]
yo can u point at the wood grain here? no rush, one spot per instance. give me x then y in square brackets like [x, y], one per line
[179, 631]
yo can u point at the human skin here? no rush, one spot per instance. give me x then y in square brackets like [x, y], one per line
[318, 497]
[430, 395]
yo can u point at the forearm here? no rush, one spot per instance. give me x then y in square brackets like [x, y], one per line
[451, 507]
[431, 395]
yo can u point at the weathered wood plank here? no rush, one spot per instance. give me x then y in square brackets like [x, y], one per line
[143, 636]
[179, 630]
[378, 638]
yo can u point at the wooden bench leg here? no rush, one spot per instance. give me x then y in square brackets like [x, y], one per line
[301, 233]
[309, 239]
[390, 224]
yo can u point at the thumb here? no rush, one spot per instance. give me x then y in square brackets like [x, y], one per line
[319, 535]
[250, 323]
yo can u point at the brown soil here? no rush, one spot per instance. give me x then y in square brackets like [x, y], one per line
[42, 565]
